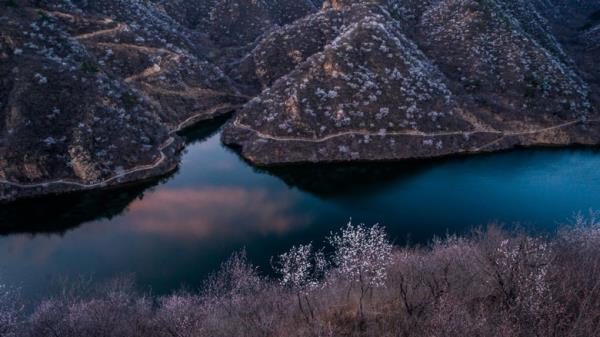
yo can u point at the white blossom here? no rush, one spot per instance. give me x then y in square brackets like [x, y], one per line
[362, 255]
[300, 268]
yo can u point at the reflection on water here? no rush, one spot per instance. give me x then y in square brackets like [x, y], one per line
[208, 213]
[177, 230]
[59, 214]
[331, 180]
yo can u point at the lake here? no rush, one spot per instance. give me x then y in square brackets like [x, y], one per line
[174, 232]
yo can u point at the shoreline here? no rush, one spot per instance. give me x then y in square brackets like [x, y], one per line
[169, 162]
[503, 142]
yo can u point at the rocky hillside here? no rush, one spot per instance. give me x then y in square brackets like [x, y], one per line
[92, 92]
[388, 80]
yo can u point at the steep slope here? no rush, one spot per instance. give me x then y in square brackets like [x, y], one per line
[155, 54]
[458, 76]
[281, 50]
[65, 119]
[587, 49]
[91, 92]
[238, 23]
[349, 100]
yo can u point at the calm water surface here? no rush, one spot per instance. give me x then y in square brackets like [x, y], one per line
[174, 232]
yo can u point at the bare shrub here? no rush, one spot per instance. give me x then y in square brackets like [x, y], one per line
[242, 302]
[575, 274]
[10, 311]
[182, 315]
[115, 310]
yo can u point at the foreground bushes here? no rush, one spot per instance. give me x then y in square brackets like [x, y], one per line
[492, 283]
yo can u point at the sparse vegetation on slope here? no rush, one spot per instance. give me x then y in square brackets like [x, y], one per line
[389, 80]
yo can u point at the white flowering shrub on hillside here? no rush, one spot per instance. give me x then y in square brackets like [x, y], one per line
[301, 270]
[362, 255]
[523, 267]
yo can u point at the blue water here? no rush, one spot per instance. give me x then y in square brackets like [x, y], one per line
[173, 232]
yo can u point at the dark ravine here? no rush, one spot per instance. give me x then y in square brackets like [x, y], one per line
[93, 93]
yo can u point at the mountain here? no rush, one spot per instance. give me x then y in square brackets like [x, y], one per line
[92, 93]
[405, 79]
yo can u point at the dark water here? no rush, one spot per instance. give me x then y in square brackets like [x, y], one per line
[172, 233]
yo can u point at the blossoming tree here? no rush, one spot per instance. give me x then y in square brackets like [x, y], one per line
[362, 254]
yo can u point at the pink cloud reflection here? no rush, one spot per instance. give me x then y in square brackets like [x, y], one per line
[206, 212]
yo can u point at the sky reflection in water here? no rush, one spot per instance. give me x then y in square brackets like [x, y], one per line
[175, 233]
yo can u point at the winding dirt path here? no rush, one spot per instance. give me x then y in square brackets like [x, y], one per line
[128, 172]
[144, 49]
[102, 183]
[120, 27]
[183, 124]
[152, 70]
[404, 133]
